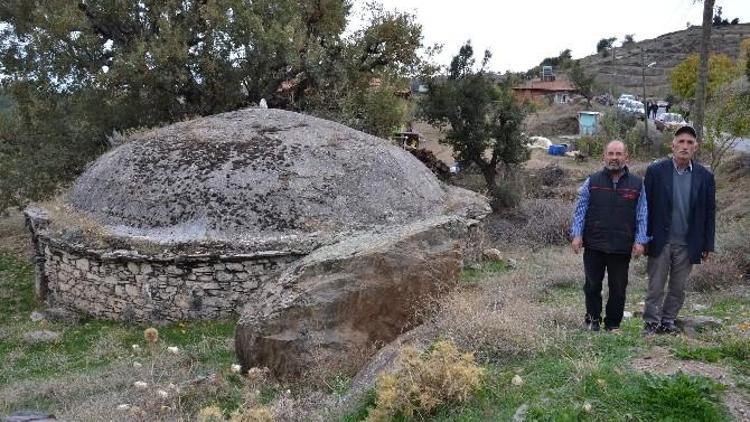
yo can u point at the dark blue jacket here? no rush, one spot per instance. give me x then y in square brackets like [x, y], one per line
[702, 218]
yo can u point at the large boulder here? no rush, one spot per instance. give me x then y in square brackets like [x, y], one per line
[340, 300]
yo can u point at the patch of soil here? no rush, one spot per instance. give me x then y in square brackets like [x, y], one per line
[659, 360]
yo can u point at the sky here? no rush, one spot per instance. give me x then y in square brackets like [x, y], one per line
[522, 33]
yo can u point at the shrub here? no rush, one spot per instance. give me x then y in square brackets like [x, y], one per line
[590, 146]
[506, 196]
[425, 381]
[495, 321]
[535, 223]
[720, 272]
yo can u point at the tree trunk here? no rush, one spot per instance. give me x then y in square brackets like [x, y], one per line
[700, 89]
[490, 174]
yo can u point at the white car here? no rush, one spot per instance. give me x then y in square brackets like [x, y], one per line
[669, 121]
[626, 97]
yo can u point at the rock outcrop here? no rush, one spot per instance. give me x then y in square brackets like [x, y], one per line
[338, 301]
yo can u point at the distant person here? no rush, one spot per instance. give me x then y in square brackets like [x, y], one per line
[681, 220]
[609, 222]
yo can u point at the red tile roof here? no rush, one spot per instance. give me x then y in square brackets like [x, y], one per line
[557, 85]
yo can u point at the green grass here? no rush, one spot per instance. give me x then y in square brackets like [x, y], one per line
[731, 307]
[585, 368]
[473, 275]
[79, 346]
[731, 349]
[16, 289]
[91, 346]
[552, 392]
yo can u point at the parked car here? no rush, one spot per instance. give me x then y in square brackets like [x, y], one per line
[634, 107]
[669, 121]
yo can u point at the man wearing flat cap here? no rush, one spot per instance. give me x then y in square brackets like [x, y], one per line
[681, 224]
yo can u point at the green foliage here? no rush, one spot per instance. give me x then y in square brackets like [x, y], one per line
[727, 120]
[684, 76]
[77, 71]
[483, 116]
[604, 45]
[591, 146]
[584, 83]
[375, 110]
[563, 60]
[617, 125]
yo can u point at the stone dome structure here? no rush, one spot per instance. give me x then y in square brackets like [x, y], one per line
[318, 236]
[254, 175]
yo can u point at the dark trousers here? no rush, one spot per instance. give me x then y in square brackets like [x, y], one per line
[616, 265]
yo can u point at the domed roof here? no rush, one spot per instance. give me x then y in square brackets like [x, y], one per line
[254, 173]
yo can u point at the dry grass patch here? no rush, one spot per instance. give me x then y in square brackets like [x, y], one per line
[504, 316]
[535, 224]
[425, 381]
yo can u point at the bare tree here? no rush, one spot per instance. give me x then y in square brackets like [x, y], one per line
[700, 89]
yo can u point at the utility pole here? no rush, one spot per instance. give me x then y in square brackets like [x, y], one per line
[614, 77]
[645, 117]
[700, 88]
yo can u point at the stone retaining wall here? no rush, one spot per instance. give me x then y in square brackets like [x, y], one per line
[195, 287]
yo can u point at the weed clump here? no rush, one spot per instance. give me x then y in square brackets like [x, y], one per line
[425, 381]
[535, 223]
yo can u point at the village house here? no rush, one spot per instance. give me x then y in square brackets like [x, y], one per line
[558, 91]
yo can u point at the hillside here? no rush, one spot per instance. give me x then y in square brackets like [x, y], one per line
[667, 51]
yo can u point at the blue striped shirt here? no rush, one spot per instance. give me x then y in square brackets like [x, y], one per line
[579, 215]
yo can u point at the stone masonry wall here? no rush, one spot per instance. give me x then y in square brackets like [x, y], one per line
[181, 288]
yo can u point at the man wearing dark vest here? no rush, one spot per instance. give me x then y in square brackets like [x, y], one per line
[609, 222]
[681, 221]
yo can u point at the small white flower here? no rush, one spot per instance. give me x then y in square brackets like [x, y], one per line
[173, 349]
[517, 380]
[163, 394]
[140, 385]
[236, 368]
[137, 364]
[123, 407]
[136, 347]
[288, 392]
[587, 407]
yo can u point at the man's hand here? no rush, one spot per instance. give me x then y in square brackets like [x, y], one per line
[576, 244]
[637, 250]
[706, 255]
